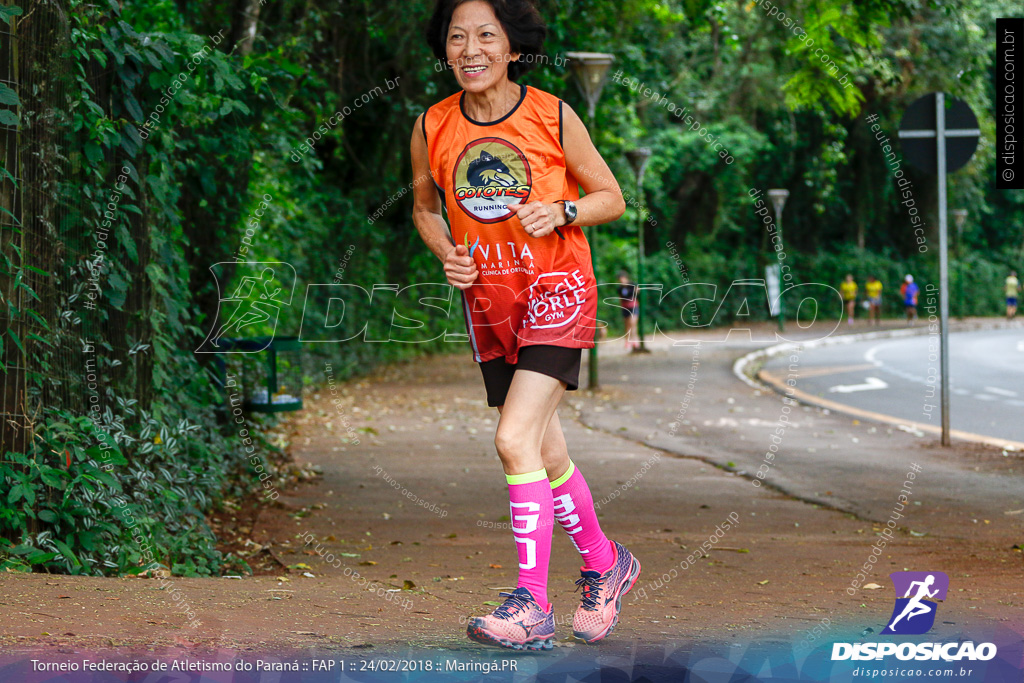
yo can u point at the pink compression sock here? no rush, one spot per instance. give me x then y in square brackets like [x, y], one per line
[531, 511]
[574, 510]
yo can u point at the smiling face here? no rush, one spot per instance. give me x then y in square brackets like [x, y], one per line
[477, 47]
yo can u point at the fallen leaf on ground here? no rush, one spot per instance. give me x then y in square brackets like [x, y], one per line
[367, 563]
[495, 566]
[761, 583]
[871, 586]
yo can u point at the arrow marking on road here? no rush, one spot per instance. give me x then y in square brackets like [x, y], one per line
[870, 384]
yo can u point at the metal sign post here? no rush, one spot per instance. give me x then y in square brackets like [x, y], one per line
[591, 71]
[926, 119]
[638, 159]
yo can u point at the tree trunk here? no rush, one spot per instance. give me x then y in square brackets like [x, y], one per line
[243, 29]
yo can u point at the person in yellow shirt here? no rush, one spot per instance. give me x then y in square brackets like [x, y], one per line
[873, 289]
[848, 290]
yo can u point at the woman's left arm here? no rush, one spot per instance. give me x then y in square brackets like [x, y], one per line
[603, 202]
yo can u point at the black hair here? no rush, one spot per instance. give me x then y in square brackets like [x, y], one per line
[520, 19]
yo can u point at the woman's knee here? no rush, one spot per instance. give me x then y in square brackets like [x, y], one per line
[509, 444]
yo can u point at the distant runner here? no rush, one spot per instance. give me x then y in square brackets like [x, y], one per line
[848, 290]
[1012, 289]
[873, 289]
[630, 308]
[909, 292]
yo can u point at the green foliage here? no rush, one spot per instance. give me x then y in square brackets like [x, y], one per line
[89, 479]
[156, 453]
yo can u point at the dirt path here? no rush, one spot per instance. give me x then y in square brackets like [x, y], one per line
[424, 430]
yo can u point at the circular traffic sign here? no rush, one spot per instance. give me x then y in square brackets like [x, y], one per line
[918, 130]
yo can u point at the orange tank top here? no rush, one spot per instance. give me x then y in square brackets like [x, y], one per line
[530, 290]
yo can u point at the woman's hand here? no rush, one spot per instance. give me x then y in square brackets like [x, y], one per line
[460, 267]
[539, 219]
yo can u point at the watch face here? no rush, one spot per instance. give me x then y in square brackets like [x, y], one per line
[570, 211]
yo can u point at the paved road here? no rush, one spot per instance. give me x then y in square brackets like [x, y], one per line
[900, 378]
[686, 400]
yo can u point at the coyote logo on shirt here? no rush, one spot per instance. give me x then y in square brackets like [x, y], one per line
[486, 171]
[490, 174]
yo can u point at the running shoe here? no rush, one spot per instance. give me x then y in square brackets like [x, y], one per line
[519, 624]
[602, 596]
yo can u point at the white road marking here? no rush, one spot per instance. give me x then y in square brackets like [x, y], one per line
[1015, 402]
[985, 397]
[1020, 346]
[870, 355]
[1001, 392]
[962, 392]
[870, 384]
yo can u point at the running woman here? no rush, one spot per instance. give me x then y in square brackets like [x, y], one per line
[508, 161]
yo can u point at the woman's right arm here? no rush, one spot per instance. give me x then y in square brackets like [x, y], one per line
[459, 266]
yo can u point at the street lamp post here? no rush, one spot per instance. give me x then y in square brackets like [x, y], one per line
[638, 159]
[591, 72]
[960, 215]
[778, 197]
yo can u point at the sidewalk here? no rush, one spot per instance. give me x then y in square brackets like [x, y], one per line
[778, 573]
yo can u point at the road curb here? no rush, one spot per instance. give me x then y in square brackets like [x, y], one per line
[741, 368]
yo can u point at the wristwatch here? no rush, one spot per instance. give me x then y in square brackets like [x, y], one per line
[570, 210]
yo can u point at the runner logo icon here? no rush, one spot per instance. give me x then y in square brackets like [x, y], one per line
[914, 613]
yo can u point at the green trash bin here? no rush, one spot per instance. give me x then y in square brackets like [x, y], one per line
[271, 372]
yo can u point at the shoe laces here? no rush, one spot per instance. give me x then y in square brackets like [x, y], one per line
[591, 586]
[513, 603]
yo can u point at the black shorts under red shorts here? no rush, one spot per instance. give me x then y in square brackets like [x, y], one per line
[554, 361]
